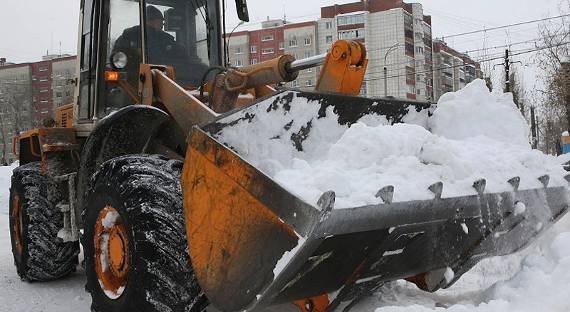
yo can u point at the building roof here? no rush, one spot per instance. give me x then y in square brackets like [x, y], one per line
[371, 6]
[11, 65]
[440, 45]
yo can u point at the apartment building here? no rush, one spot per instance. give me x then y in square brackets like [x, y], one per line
[404, 60]
[29, 94]
[15, 105]
[452, 69]
[397, 36]
[275, 38]
[301, 42]
[63, 80]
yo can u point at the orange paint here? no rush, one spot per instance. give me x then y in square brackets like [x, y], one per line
[314, 304]
[344, 68]
[112, 258]
[18, 224]
[229, 230]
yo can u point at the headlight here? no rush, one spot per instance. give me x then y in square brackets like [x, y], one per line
[119, 60]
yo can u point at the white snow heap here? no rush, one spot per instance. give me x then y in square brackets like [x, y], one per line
[5, 178]
[474, 111]
[474, 135]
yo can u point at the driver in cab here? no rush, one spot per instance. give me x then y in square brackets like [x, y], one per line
[160, 44]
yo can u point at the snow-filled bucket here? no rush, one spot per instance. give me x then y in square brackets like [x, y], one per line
[304, 194]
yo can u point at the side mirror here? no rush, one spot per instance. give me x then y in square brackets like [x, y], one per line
[243, 14]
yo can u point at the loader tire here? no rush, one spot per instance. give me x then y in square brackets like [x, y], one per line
[135, 202]
[39, 255]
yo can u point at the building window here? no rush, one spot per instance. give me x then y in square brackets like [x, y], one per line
[418, 92]
[267, 51]
[43, 90]
[350, 20]
[253, 49]
[267, 38]
[293, 42]
[351, 34]
[239, 63]
[253, 61]
[420, 50]
[239, 50]
[43, 79]
[43, 68]
[329, 39]
[308, 54]
[281, 45]
[309, 70]
[328, 25]
[58, 94]
[295, 83]
[309, 83]
[308, 41]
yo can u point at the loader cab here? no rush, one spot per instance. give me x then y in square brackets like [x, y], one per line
[116, 36]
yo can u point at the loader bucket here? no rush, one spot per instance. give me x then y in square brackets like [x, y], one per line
[254, 244]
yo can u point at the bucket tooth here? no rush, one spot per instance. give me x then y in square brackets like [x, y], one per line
[436, 189]
[480, 185]
[515, 182]
[326, 201]
[386, 194]
[545, 179]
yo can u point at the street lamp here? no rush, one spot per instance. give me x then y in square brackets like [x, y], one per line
[394, 46]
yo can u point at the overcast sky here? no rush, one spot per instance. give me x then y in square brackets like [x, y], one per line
[28, 28]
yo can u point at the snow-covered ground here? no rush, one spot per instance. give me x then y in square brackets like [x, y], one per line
[66, 295]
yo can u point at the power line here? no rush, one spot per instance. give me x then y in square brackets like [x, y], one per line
[507, 45]
[506, 26]
[480, 61]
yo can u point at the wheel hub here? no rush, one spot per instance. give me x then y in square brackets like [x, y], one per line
[117, 251]
[111, 252]
[18, 228]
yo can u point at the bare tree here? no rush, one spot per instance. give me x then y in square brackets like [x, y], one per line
[15, 110]
[552, 101]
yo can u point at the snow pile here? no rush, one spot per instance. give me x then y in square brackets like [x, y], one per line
[475, 112]
[474, 135]
[5, 178]
[564, 158]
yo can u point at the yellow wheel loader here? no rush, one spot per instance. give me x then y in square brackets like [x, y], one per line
[173, 217]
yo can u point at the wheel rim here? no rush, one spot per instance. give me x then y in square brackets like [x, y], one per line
[17, 228]
[112, 259]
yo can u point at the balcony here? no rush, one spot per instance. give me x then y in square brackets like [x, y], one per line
[447, 69]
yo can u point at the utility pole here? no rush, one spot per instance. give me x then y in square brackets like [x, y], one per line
[390, 49]
[565, 76]
[507, 64]
[507, 72]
